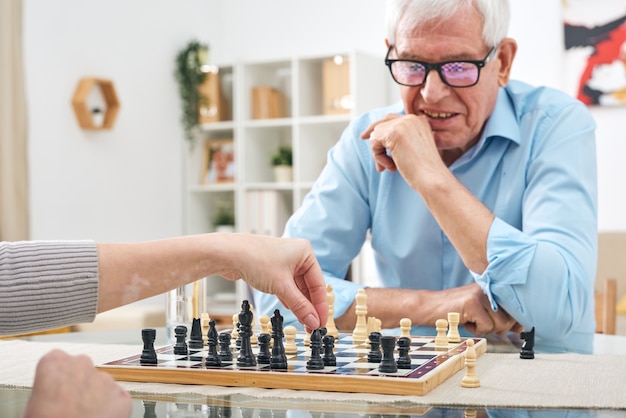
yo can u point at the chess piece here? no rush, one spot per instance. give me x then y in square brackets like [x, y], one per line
[330, 323]
[528, 347]
[404, 359]
[374, 355]
[405, 327]
[290, 340]
[235, 332]
[441, 340]
[195, 337]
[328, 343]
[224, 343]
[453, 330]
[246, 357]
[388, 363]
[264, 355]
[470, 380]
[266, 328]
[212, 358]
[278, 359]
[204, 324]
[253, 337]
[315, 361]
[180, 333]
[373, 325]
[148, 354]
[359, 334]
[307, 338]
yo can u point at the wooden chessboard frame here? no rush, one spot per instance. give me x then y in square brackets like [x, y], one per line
[445, 365]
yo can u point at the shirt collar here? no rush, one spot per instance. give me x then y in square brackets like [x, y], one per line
[503, 121]
[501, 124]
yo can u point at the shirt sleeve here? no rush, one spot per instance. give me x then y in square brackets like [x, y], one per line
[546, 268]
[47, 284]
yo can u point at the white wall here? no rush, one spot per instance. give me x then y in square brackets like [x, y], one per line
[536, 26]
[126, 184]
[117, 185]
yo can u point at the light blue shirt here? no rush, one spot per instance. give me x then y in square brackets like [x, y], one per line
[534, 167]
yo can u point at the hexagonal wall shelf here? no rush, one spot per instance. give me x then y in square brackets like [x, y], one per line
[81, 109]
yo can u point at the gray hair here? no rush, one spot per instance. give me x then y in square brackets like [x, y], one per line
[495, 14]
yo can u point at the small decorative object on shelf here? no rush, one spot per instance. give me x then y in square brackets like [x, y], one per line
[213, 103]
[336, 89]
[219, 165]
[98, 116]
[282, 161]
[191, 68]
[268, 103]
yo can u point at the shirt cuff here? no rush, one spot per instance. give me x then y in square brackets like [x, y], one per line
[509, 254]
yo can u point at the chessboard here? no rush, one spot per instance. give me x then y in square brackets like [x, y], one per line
[430, 366]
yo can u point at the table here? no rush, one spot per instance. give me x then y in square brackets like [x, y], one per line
[503, 376]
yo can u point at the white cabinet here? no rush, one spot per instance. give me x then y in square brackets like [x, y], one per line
[309, 120]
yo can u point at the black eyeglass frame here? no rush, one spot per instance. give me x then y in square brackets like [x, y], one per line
[437, 66]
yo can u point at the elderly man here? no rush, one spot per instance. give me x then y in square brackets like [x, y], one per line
[479, 192]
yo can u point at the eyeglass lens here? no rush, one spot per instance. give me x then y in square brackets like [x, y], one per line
[454, 73]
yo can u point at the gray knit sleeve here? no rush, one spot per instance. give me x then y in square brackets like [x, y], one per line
[47, 284]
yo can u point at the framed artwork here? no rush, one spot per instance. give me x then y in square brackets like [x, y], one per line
[219, 161]
[595, 49]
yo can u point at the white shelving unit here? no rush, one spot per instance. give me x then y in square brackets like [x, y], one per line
[305, 127]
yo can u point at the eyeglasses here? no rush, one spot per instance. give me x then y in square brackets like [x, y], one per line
[453, 73]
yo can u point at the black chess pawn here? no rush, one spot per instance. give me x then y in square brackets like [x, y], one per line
[404, 359]
[212, 358]
[374, 355]
[278, 359]
[195, 338]
[224, 343]
[315, 361]
[180, 348]
[264, 355]
[328, 342]
[528, 347]
[148, 354]
[246, 357]
[388, 363]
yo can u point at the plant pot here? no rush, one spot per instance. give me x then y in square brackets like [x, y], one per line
[283, 173]
[98, 119]
[224, 228]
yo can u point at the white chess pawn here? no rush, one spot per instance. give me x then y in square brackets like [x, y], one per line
[265, 324]
[405, 327]
[290, 340]
[453, 330]
[235, 332]
[470, 380]
[441, 340]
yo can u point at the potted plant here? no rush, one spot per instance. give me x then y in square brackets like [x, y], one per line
[224, 219]
[189, 77]
[97, 116]
[282, 161]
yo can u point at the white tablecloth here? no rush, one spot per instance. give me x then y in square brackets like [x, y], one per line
[548, 381]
